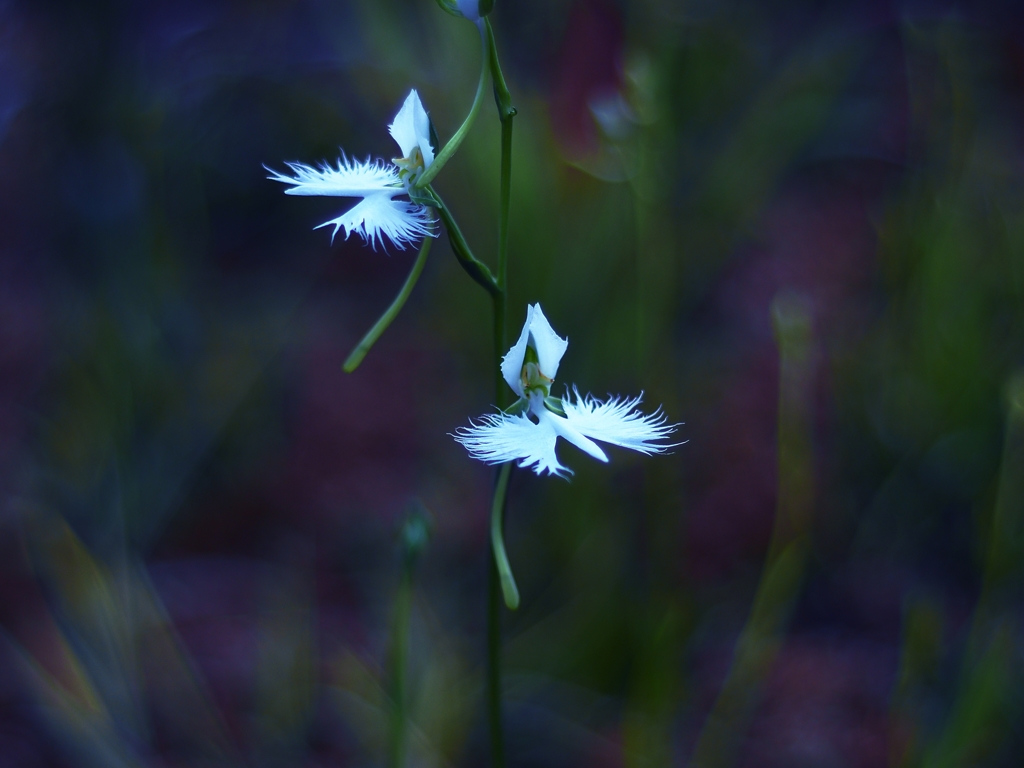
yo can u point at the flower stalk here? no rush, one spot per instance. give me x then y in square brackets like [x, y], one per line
[502, 97]
[413, 538]
[356, 356]
[396, 203]
[509, 590]
[501, 579]
[453, 143]
[399, 662]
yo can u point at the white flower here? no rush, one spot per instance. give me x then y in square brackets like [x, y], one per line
[527, 432]
[379, 214]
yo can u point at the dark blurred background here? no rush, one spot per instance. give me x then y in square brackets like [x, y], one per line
[799, 226]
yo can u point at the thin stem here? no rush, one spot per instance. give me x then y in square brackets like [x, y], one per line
[501, 95]
[498, 311]
[494, 666]
[357, 355]
[501, 580]
[508, 582]
[500, 574]
[403, 607]
[413, 537]
[453, 143]
[475, 268]
[505, 202]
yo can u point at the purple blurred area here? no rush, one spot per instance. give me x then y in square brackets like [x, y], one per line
[199, 548]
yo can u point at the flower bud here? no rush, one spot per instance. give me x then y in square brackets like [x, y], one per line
[416, 530]
[471, 9]
[474, 10]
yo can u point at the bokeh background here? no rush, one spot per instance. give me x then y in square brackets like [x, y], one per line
[799, 226]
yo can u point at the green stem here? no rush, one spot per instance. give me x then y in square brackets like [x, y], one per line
[413, 537]
[494, 666]
[505, 201]
[357, 355]
[508, 582]
[453, 143]
[403, 607]
[475, 268]
[501, 95]
[501, 582]
[498, 311]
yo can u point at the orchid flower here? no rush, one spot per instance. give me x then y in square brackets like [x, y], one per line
[527, 431]
[378, 183]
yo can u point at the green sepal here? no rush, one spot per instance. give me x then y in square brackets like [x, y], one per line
[554, 404]
[435, 143]
[418, 197]
[518, 408]
[485, 7]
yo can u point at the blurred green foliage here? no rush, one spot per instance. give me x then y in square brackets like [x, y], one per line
[200, 568]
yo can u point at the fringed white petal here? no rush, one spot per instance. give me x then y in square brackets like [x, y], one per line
[379, 216]
[411, 128]
[499, 438]
[617, 421]
[351, 178]
[564, 428]
[549, 345]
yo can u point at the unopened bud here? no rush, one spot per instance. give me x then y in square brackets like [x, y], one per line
[474, 10]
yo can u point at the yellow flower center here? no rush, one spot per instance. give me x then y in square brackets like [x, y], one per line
[410, 168]
[534, 380]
